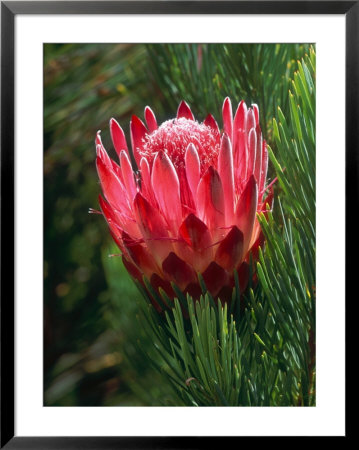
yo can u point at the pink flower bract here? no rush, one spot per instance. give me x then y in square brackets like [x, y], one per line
[190, 205]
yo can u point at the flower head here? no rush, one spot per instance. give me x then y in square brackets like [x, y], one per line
[188, 206]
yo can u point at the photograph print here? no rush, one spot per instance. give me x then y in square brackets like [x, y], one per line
[179, 224]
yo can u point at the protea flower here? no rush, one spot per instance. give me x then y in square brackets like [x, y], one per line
[188, 203]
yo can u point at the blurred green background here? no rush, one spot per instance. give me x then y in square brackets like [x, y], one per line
[91, 352]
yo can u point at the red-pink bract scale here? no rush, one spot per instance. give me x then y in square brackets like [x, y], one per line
[190, 205]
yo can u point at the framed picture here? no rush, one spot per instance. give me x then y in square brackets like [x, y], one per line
[214, 139]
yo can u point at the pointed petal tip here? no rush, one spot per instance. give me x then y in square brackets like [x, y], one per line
[230, 250]
[225, 139]
[184, 111]
[252, 180]
[251, 183]
[139, 201]
[178, 270]
[138, 197]
[148, 111]
[227, 117]
[100, 199]
[113, 123]
[211, 171]
[183, 103]
[138, 134]
[137, 122]
[150, 119]
[215, 278]
[163, 159]
[98, 138]
[227, 104]
[256, 112]
[102, 156]
[211, 122]
[191, 148]
[143, 161]
[160, 157]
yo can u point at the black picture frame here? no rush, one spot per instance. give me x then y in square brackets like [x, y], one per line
[9, 10]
